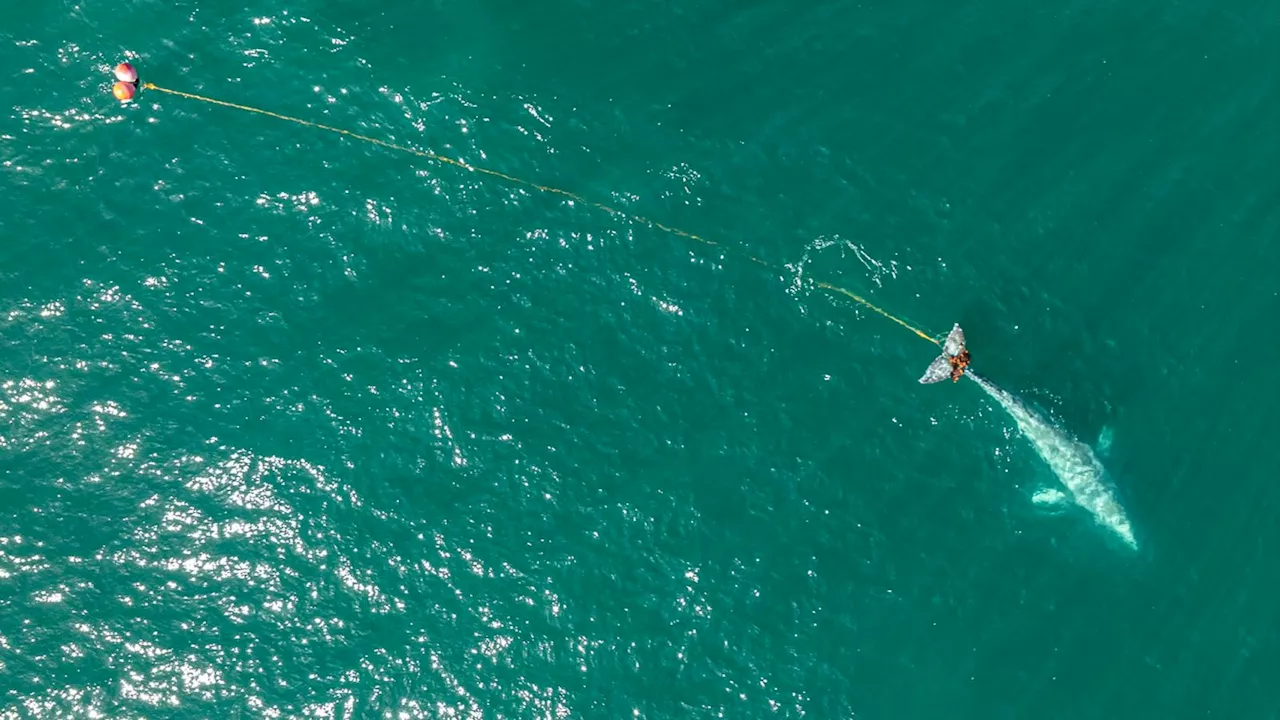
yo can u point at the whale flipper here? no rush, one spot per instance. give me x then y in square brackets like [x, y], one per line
[938, 370]
[1104, 441]
[1049, 496]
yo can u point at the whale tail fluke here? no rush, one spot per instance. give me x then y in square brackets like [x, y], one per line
[938, 370]
[951, 363]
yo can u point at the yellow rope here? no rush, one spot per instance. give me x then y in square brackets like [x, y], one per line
[874, 308]
[526, 183]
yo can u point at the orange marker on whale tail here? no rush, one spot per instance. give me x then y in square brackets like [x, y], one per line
[126, 86]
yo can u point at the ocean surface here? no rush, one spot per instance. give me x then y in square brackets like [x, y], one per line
[295, 425]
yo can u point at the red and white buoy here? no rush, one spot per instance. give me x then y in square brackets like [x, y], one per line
[126, 85]
[126, 74]
[124, 91]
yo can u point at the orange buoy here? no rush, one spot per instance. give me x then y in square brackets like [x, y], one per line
[125, 73]
[124, 91]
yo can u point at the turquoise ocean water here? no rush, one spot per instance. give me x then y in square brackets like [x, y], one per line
[292, 425]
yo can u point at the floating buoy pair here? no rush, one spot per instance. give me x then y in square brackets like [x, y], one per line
[126, 82]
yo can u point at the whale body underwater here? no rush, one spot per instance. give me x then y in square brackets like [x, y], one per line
[1072, 462]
